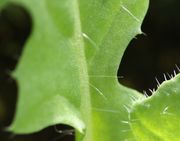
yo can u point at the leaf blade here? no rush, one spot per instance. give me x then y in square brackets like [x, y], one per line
[55, 66]
[159, 113]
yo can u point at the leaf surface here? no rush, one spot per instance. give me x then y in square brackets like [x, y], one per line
[67, 73]
[157, 117]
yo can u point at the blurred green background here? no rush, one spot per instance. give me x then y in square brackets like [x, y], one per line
[146, 58]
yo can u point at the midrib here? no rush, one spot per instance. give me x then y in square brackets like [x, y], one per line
[83, 73]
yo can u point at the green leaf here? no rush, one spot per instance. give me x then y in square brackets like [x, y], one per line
[157, 117]
[67, 73]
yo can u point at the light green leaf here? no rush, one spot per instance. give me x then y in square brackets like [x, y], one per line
[67, 73]
[157, 117]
